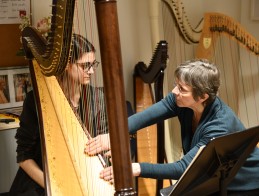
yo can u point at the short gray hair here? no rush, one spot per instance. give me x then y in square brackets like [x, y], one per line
[202, 76]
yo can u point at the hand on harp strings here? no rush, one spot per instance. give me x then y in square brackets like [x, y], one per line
[98, 144]
[107, 174]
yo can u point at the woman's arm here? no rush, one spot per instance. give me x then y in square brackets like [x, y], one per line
[28, 142]
[33, 170]
[162, 110]
[155, 113]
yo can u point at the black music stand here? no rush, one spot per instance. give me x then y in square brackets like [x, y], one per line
[216, 165]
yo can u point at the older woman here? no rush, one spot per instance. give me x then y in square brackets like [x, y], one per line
[202, 116]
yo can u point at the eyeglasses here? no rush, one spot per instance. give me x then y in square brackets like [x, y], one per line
[181, 89]
[87, 65]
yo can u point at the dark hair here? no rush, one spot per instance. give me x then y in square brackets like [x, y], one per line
[79, 46]
[202, 76]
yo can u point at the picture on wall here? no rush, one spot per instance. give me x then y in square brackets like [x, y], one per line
[4, 90]
[14, 85]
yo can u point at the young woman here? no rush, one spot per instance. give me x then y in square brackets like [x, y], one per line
[74, 82]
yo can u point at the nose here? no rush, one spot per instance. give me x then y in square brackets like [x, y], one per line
[175, 90]
[90, 71]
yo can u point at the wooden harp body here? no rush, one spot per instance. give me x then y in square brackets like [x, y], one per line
[68, 171]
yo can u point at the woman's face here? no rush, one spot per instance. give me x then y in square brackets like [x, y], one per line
[79, 71]
[183, 94]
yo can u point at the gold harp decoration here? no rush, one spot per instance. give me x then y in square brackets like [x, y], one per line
[206, 42]
[67, 173]
[236, 52]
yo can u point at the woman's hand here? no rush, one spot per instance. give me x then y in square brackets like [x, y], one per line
[107, 173]
[98, 144]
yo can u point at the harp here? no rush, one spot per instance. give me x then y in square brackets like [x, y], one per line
[182, 40]
[226, 43]
[65, 172]
[148, 84]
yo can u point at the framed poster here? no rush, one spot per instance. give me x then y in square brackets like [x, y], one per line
[14, 85]
[11, 11]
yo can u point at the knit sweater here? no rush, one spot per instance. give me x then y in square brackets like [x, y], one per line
[217, 120]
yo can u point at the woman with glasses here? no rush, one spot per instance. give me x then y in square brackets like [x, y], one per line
[87, 101]
[75, 83]
[202, 116]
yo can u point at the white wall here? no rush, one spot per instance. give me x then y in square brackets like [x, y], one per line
[131, 42]
[40, 9]
[229, 7]
[246, 20]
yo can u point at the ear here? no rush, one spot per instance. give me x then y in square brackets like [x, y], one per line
[205, 97]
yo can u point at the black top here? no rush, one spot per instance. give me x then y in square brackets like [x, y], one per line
[28, 147]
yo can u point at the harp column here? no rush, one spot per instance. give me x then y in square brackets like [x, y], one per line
[108, 29]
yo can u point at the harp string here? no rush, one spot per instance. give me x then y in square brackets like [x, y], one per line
[84, 24]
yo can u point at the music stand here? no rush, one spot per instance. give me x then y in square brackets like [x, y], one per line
[215, 165]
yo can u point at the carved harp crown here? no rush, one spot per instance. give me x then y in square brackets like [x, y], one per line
[52, 55]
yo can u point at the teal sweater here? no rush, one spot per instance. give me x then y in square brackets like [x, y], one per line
[217, 120]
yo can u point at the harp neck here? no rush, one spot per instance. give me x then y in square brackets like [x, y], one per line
[52, 54]
[189, 34]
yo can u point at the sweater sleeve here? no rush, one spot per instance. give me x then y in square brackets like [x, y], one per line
[162, 110]
[170, 170]
[27, 135]
[176, 169]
